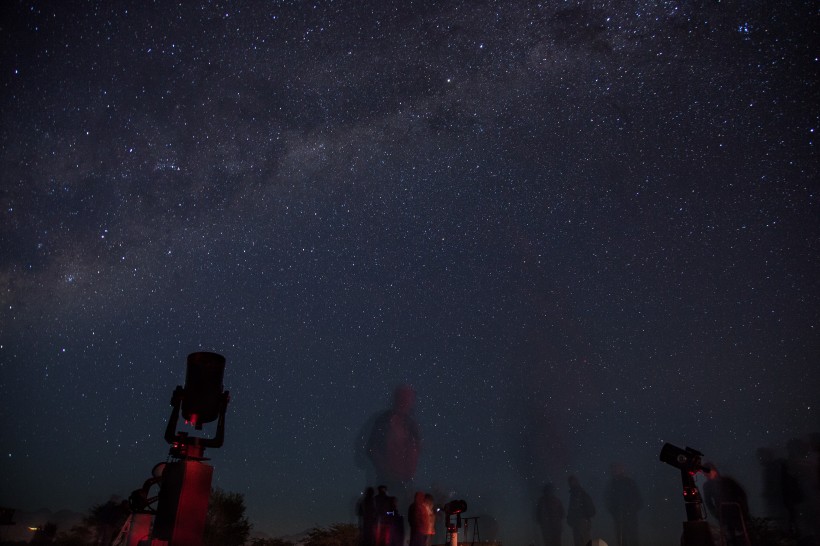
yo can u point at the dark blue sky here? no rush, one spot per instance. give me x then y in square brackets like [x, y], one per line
[578, 229]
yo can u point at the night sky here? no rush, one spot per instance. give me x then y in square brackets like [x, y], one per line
[578, 229]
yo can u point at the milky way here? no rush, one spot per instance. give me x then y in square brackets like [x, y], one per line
[578, 229]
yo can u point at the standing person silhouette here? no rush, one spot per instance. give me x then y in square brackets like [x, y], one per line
[421, 519]
[368, 518]
[549, 513]
[623, 501]
[580, 511]
[394, 444]
[727, 502]
[383, 504]
[771, 478]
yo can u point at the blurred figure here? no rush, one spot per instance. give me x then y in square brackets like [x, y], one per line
[813, 486]
[394, 443]
[389, 523]
[395, 524]
[771, 479]
[549, 513]
[814, 443]
[431, 509]
[580, 512]
[382, 503]
[623, 501]
[796, 474]
[422, 520]
[44, 534]
[366, 510]
[726, 500]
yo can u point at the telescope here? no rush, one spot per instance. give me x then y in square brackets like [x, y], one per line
[453, 508]
[686, 459]
[184, 482]
[200, 401]
[202, 398]
[689, 461]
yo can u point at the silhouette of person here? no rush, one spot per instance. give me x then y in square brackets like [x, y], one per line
[549, 513]
[395, 524]
[793, 479]
[389, 523]
[726, 500]
[366, 510]
[771, 479]
[421, 519]
[44, 534]
[431, 523]
[394, 443]
[580, 512]
[813, 486]
[623, 501]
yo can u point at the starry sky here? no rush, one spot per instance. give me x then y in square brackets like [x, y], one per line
[578, 229]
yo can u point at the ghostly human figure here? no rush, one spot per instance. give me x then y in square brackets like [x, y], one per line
[623, 501]
[727, 502]
[772, 473]
[549, 514]
[368, 517]
[580, 512]
[394, 444]
[422, 519]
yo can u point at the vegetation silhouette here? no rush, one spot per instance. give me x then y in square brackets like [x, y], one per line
[270, 542]
[226, 523]
[338, 534]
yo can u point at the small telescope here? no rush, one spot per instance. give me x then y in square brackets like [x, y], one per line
[453, 508]
[689, 461]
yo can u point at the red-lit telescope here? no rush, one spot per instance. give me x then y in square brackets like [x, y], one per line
[182, 503]
[203, 392]
[202, 400]
[184, 481]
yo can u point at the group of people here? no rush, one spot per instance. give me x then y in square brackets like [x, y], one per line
[623, 501]
[390, 444]
[791, 485]
[381, 523]
[790, 491]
